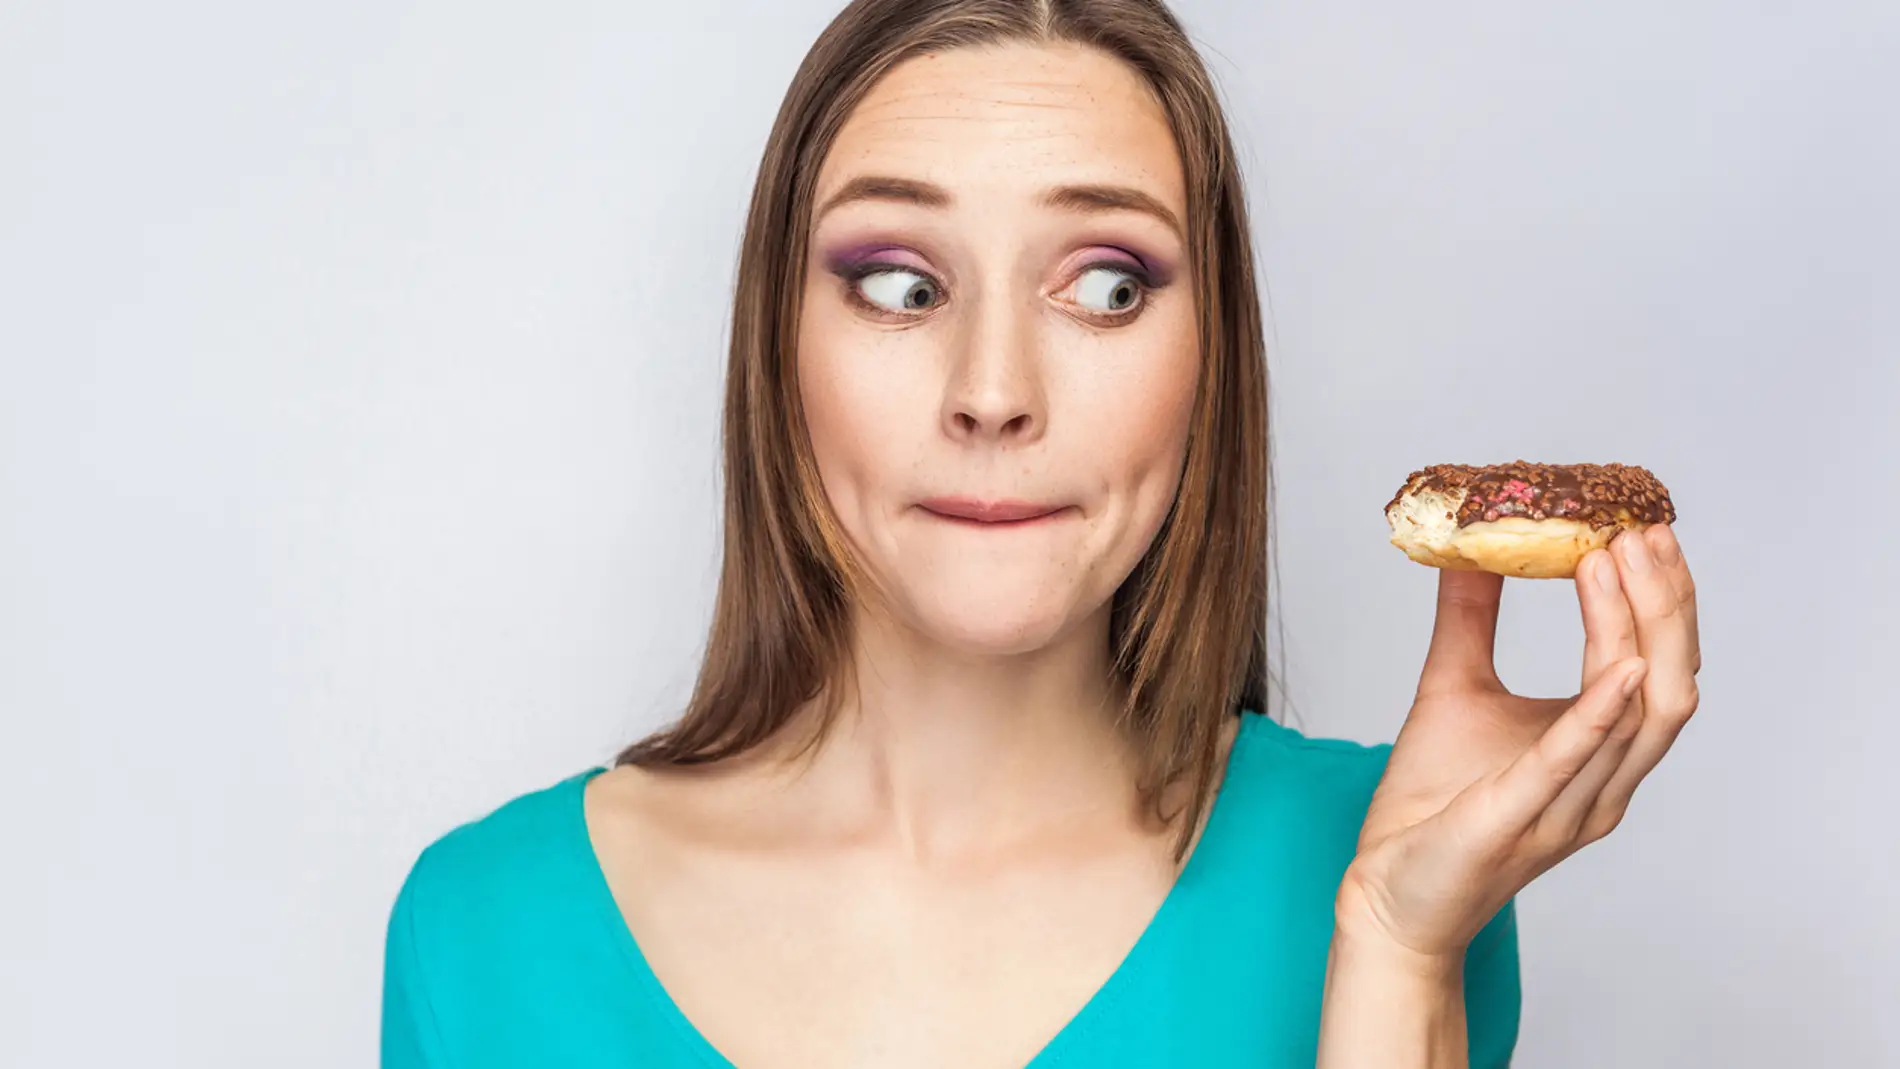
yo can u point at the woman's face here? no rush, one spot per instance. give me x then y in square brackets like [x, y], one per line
[998, 351]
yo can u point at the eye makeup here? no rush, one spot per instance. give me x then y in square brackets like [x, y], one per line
[855, 261]
[1150, 272]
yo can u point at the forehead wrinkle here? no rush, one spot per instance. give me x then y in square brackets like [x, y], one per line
[906, 126]
[963, 110]
[1033, 93]
[903, 135]
[1018, 118]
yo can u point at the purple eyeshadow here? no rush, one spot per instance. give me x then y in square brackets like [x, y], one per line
[1155, 272]
[851, 261]
[856, 257]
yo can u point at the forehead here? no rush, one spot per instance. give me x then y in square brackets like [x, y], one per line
[1011, 117]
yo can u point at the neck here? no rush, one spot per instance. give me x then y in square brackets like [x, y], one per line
[945, 751]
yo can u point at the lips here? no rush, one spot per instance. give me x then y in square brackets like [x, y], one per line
[990, 513]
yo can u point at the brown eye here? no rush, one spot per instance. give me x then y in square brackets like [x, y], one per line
[898, 290]
[1108, 290]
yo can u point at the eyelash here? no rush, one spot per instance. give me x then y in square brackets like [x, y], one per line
[853, 274]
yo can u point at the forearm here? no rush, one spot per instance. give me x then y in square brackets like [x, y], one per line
[1386, 1008]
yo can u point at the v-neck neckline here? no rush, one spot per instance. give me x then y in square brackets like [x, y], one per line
[601, 902]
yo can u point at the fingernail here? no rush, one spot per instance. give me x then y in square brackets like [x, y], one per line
[1606, 574]
[1636, 552]
[1664, 543]
[1635, 678]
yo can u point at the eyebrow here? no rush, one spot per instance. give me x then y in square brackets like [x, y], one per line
[1088, 199]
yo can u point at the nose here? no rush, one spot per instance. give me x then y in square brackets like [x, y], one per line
[995, 388]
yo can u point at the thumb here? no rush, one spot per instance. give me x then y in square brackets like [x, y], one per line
[1464, 632]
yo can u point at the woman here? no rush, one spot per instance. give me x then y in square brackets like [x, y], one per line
[975, 773]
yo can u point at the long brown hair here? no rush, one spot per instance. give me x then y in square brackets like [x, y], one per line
[1189, 624]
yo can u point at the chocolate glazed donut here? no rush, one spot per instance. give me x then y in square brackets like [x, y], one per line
[1533, 521]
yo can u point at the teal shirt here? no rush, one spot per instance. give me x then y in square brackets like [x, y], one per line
[505, 947]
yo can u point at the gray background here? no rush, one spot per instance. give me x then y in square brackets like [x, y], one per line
[358, 379]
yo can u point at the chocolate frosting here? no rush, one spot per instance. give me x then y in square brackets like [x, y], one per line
[1601, 495]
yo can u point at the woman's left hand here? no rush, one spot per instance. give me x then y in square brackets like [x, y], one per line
[1486, 790]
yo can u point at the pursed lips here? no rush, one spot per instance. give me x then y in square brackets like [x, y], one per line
[1003, 513]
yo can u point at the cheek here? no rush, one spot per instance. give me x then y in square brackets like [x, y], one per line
[845, 386]
[1150, 409]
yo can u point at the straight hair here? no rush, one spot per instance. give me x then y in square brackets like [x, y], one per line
[1188, 627]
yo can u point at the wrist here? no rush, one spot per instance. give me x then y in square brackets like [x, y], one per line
[1359, 950]
[1388, 1006]
[1361, 931]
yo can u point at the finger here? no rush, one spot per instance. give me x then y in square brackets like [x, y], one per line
[1668, 553]
[1465, 631]
[1662, 599]
[1665, 634]
[1609, 627]
[1578, 815]
[1531, 784]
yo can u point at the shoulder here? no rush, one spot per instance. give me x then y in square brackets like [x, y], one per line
[504, 865]
[1289, 808]
[1275, 763]
[1291, 741]
[481, 912]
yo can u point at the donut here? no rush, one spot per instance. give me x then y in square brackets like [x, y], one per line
[1532, 521]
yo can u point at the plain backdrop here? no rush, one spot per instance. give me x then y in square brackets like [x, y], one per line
[359, 375]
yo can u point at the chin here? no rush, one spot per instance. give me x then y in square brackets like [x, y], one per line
[990, 622]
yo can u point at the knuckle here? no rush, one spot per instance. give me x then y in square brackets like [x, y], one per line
[1666, 607]
[1554, 839]
[1687, 700]
[1603, 820]
[1559, 772]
